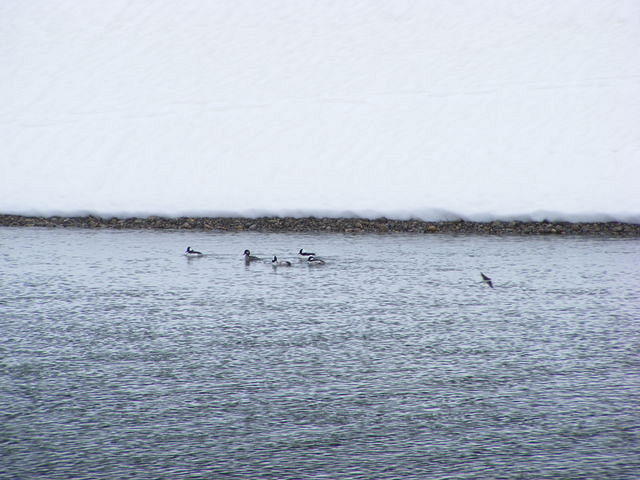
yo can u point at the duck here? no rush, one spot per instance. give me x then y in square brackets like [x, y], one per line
[486, 279]
[190, 252]
[311, 260]
[248, 258]
[305, 255]
[280, 263]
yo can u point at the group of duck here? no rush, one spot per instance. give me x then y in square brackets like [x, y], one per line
[308, 257]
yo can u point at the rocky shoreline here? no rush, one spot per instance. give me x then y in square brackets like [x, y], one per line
[338, 225]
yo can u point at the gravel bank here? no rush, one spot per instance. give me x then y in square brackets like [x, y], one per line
[340, 225]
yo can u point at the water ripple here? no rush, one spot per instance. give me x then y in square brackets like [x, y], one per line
[120, 358]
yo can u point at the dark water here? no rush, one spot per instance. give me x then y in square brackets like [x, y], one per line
[121, 358]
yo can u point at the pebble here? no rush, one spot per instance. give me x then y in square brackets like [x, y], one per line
[334, 225]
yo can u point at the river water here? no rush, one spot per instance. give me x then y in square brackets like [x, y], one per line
[122, 358]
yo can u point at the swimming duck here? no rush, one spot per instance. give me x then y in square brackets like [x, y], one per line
[190, 252]
[486, 280]
[311, 260]
[280, 263]
[305, 255]
[250, 258]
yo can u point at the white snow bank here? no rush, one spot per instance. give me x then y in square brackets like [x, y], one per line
[432, 110]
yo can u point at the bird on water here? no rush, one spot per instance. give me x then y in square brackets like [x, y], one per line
[486, 280]
[305, 254]
[311, 260]
[248, 258]
[280, 263]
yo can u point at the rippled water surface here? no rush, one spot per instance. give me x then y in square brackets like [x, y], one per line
[121, 358]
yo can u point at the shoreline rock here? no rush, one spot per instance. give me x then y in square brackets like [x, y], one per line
[335, 225]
